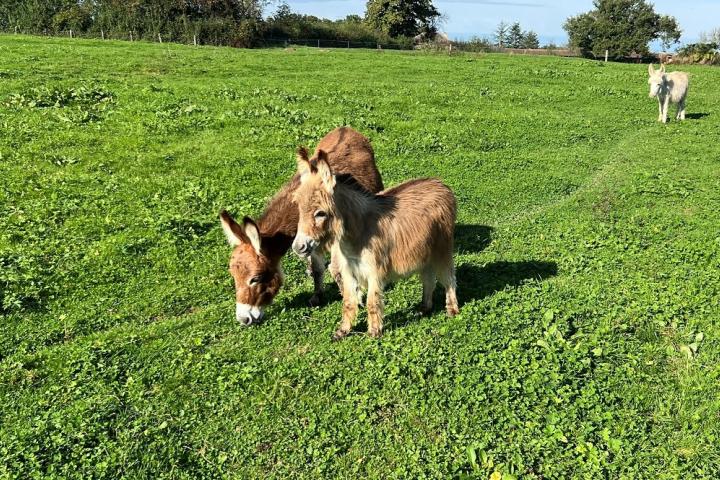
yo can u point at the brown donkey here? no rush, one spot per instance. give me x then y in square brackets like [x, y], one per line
[376, 238]
[259, 246]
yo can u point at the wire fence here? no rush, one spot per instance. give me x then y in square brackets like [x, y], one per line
[199, 40]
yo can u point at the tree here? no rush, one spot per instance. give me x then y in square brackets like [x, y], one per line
[515, 36]
[713, 36]
[403, 18]
[669, 32]
[501, 34]
[620, 26]
[530, 40]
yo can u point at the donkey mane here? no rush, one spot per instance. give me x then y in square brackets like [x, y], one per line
[348, 180]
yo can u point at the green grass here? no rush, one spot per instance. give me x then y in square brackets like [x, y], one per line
[588, 253]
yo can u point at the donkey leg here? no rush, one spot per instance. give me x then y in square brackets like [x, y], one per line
[350, 309]
[317, 270]
[660, 110]
[666, 105]
[428, 282]
[335, 271]
[375, 308]
[447, 279]
[681, 111]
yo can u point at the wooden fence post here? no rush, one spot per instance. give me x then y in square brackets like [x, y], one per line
[71, 33]
[159, 38]
[102, 34]
[195, 40]
[607, 52]
[16, 29]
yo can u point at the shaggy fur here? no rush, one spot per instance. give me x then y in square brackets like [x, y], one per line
[255, 265]
[376, 238]
[668, 88]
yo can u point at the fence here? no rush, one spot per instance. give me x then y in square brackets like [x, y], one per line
[560, 52]
[197, 40]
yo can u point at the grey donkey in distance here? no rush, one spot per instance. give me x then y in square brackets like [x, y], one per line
[668, 88]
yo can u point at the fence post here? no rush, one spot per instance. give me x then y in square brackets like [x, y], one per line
[318, 43]
[16, 29]
[606, 55]
[131, 36]
[71, 33]
[195, 40]
[159, 38]
[348, 43]
[102, 34]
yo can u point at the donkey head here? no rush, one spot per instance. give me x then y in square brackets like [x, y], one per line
[258, 278]
[314, 198]
[656, 80]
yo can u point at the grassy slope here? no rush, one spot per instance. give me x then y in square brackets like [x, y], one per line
[587, 343]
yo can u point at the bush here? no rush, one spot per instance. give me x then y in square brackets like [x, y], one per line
[702, 53]
[76, 18]
[475, 44]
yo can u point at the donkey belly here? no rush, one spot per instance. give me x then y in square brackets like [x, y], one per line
[361, 268]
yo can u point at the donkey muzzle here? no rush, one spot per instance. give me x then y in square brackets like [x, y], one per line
[247, 314]
[304, 245]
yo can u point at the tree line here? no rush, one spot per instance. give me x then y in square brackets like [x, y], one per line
[620, 27]
[220, 22]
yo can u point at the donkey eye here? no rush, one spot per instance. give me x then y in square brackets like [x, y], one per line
[255, 280]
[320, 215]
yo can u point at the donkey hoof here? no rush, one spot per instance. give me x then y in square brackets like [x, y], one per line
[452, 311]
[339, 335]
[315, 301]
[374, 332]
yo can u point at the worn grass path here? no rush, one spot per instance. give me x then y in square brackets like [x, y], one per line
[587, 250]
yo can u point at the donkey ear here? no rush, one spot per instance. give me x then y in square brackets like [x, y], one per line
[324, 170]
[252, 233]
[651, 69]
[233, 231]
[303, 161]
[662, 68]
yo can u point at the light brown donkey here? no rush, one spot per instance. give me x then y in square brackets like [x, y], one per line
[258, 247]
[376, 238]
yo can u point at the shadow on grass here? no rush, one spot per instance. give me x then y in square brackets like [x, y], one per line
[302, 299]
[472, 238]
[696, 116]
[476, 283]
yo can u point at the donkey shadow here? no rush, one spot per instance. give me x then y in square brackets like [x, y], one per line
[696, 116]
[472, 238]
[475, 283]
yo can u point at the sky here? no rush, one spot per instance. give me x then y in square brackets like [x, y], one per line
[466, 18]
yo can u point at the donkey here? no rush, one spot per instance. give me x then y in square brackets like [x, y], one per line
[259, 246]
[376, 238]
[668, 88]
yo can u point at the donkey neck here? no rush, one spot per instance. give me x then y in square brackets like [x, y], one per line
[360, 214]
[278, 223]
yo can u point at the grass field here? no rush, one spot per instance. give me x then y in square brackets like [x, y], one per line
[588, 253]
